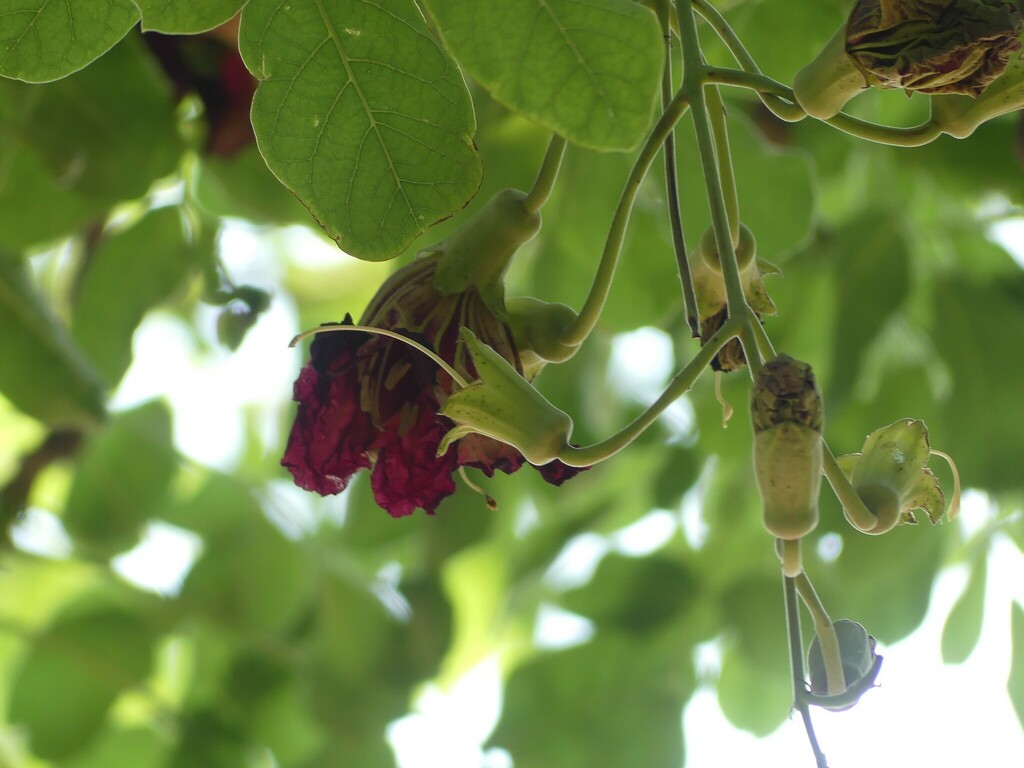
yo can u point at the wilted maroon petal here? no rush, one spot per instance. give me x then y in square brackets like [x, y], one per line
[330, 435]
[488, 454]
[557, 473]
[409, 474]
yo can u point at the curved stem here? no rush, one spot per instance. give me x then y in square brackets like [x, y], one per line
[547, 175]
[858, 515]
[762, 348]
[787, 109]
[954, 504]
[671, 183]
[917, 136]
[680, 384]
[332, 327]
[796, 663]
[753, 81]
[578, 332]
[826, 632]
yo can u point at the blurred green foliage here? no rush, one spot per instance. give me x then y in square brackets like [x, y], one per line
[305, 627]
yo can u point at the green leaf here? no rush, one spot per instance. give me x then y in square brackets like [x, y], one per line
[42, 41]
[753, 697]
[73, 673]
[108, 131]
[363, 116]
[186, 17]
[1015, 683]
[130, 272]
[42, 372]
[122, 747]
[249, 575]
[963, 625]
[587, 69]
[872, 265]
[635, 594]
[622, 699]
[122, 480]
[975, 327]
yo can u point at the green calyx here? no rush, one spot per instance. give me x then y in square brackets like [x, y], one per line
[502, 405]
[860, 666]
[477, 254]
[745, 247]
[787, 415]
[959, 116]
[892, 480]
[823, 87]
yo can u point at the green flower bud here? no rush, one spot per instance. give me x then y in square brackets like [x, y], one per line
[538, 328]
[501, 404]
[746, 249]
[787, 416]
[931, 46]
[860, 665]
[891, 477]
[709, 288]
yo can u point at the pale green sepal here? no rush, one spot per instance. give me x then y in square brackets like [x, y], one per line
[538, 328]
[502, 405]
[959, 115]
[848, 462]
[927, 495]
[894, 456]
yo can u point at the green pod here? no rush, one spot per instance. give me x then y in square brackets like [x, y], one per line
[787, 464]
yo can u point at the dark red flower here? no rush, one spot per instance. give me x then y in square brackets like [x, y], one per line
[369, 401]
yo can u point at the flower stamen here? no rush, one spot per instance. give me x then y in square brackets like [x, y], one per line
[384, 332]
[488, 499]
[954, 503]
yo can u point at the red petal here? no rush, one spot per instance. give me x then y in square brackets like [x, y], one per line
[330, 435]
[409, 473]
[557, 473]
[487, 455]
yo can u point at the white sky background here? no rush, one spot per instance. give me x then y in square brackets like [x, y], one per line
[924, 713]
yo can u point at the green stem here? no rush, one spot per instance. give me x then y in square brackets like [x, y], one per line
[834, 677]
[693, 86]
[587, 320]
[796, 663]
[858, 515]
[671, 182]
[726, 175]
[787, 109]
[762, 348]
[547, 175]
[753, 81]
[332, 327]
[917, 136]
[680, 384]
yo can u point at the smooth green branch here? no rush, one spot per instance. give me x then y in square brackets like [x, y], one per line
[796, 663]
[680, 384]
[726, 175]
[693, 87]
[826, 632]
[602, 284]
[784, 108]
[547, 175]
[671, 182]
[859, 516]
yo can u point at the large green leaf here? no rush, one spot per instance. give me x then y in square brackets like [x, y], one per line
[363, 116]
[74, 672]
[619, 703]
[755, 698]
[975, 327]
[107, 132]
[41, 40]
[130, 272]
[587, 69]
[121, 748]
[122, 479]
[42, 372]
[185, 17]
